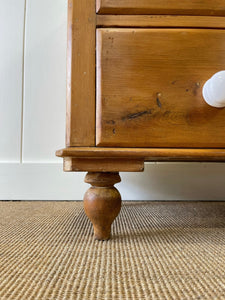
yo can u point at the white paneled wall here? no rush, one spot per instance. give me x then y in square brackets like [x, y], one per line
[11, 78]
[44, 79]
[32, 118]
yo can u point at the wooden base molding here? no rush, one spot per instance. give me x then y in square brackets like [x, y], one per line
[102, 202]
[103, 165]
[146, 154]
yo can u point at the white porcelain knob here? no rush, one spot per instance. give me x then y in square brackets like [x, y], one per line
[214, 90]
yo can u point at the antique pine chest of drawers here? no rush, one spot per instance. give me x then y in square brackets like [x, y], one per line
[135, 74]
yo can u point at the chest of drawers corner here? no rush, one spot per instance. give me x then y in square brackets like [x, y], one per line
[135, 73]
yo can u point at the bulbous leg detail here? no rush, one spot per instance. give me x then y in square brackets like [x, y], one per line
[102, 202]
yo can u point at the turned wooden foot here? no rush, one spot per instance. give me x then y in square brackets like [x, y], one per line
[102, 202]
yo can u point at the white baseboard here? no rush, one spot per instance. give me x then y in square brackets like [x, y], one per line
[160, 181]
[40, 181]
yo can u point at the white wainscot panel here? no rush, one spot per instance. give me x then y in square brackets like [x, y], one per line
[45, 80]
[11, 78]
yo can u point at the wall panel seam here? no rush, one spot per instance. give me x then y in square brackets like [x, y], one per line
[23, 82]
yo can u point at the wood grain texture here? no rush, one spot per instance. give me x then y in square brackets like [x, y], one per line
[102, 202]
[146, 21]
[148, 154]
[150, 88]
[170, 7]
[81, 73]
[103, 165]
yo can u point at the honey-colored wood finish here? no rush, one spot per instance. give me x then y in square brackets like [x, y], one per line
[149, 88]
[103, 164]
[102, 202]
[157, 21]
[81, 73]
[169, 7]
[148, 154]
[143, 101]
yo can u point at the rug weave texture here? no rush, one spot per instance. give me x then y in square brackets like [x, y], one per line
[159, 250]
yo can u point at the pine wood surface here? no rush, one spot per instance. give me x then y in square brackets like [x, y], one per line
[80, 128]
[169, 7]
[103, 164]
[149, 88]
[148, 154]
[158, 21]
[102, 202]
[142, 102]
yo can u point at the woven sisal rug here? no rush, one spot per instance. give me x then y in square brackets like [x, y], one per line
[159, 250]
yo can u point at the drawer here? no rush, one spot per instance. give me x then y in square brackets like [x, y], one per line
[149, 88]
[184, 7]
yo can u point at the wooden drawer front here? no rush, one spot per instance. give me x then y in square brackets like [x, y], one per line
[149, 87]
[184, 7]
